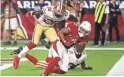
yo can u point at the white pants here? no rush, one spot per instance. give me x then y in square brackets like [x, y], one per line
[61, 53]
[13, 24]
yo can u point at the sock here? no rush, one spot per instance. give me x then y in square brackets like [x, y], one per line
[57, 70]
[24, 51]
[41, 64]
[48, 59]
[50, 66]
[28, 47]
[31, 45]
[31, 58]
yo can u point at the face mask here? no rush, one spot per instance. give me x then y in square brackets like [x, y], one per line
[82, 32]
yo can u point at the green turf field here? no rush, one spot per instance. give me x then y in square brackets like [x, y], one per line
[101, 61]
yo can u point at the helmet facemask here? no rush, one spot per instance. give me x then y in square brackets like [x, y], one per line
[84, 29]
[59, 10]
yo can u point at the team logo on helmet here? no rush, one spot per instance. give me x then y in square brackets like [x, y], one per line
[84, 29]
[59, 10]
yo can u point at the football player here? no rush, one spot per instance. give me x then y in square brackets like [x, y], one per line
[61, 53]
[51, 14]
[69, 36]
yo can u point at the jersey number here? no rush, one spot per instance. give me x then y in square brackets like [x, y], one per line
[48, 21]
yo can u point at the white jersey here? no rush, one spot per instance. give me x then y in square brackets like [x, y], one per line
[72, 56]
[66, 56]
[48, 18]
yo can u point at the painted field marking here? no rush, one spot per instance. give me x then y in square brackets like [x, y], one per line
[118, 68]
[43, 48]
[5, 66]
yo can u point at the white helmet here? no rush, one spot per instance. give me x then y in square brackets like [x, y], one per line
[84, 29]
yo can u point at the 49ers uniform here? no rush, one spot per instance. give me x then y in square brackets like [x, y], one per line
[45, 24]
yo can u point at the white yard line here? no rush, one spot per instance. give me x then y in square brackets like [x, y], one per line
[5, 66]
[43, 48]
[118, 68]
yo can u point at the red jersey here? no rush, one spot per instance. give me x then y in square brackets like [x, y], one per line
[73, 34]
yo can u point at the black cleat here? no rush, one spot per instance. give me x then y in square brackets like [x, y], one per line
[15, 43]
[45, 43]
[7, 43]
[17, 51]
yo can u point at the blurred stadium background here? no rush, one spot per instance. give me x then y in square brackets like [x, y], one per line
[100, 58]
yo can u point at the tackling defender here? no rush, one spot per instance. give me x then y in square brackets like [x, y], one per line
[51, 14]
[61, 53]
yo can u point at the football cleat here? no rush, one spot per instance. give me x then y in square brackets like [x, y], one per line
[17, 51]
[16, 62]
[45, 43]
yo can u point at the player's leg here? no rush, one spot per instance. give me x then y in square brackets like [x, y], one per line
[57, 70]
[27, 55]
[42, 64]
[49, 58]
[35, 61]
[62, 65]
[64, 61]
[14, 27]
[50, 33]
[8, 29]
[31, 58]
[50, 37]
[54, 61]
[35, 40]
